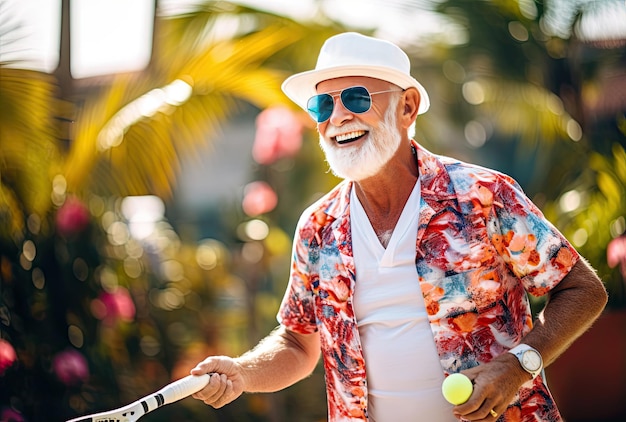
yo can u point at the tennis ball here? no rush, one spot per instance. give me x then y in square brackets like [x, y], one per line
[457, 388]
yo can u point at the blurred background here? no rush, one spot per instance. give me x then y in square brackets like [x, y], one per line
[152, 173]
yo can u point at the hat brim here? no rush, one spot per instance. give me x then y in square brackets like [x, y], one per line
[301, 86]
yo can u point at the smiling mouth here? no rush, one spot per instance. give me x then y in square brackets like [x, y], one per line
[346, 138]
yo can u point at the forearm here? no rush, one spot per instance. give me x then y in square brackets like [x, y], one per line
[570, 310]
[278, 361]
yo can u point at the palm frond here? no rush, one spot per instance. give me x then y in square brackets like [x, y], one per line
[512, 105]
[29, 143]
[141, 152]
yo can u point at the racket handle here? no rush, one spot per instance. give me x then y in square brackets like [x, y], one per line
[182, 388]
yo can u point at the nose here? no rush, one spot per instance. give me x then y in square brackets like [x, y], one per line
[340, 113]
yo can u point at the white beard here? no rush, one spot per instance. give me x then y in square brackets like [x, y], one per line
[360, 162]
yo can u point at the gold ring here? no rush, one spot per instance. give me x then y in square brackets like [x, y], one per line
[493, 413]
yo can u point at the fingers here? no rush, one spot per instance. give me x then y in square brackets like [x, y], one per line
[205, 367]
[218, 391]
[487, 413]
[484, 413]
[485, 405]
[200, 369]
[495, 386]
[225, 383]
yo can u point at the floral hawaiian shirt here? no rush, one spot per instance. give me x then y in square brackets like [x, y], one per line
[481, 245]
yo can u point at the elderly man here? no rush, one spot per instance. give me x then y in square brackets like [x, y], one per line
[415, 267]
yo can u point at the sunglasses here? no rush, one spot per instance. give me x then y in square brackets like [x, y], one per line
[356, 99]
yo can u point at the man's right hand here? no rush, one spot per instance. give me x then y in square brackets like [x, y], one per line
[226, 383]
[279, 360]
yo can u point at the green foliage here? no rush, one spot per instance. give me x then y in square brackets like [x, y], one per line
[597, 215]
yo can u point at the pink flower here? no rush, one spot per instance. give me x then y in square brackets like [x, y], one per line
[616, 254]
[7, 356]
[72, 218]
[116, 305]
[70, 367]
[259, 198]
[11, 415]
[278, 135]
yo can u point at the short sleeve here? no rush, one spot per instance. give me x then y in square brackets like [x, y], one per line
[533, 248]
[297, 310]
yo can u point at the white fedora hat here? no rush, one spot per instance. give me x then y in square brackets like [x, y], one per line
[353, 54]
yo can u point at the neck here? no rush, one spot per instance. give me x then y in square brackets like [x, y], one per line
[384, 196]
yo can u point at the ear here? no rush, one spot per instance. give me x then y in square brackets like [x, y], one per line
[410, 101]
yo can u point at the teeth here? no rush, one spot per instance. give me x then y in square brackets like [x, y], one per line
[350, 135]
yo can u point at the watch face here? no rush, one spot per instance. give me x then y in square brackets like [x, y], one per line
[531, 360]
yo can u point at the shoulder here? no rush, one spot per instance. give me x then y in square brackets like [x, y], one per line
[456, 177]
[324, 210]
[463, 172]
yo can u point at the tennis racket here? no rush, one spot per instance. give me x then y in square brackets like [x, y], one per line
[175, 391]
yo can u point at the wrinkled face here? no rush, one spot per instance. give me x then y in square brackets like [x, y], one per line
[358, 145]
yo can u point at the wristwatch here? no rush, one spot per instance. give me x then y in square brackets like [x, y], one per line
[529, 358]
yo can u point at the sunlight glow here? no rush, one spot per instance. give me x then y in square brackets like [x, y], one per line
[605, 19]
[116, 35]
[574, 131]
[618, 226]
[157, 100]
[528, 9]
[555, 104]
[34, 43]
[110, 37]
[59, 189]
[454, 71]
[142, 214]
[207, 255]
[106, 36]
[518, 31]
[580, 237]
[475, 134]
[473, 92]
[603, 22]
[570, 201]
[256, 229]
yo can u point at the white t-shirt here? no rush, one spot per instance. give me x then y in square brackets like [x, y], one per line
[404, 374]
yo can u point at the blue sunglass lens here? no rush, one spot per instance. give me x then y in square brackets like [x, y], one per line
[320, 107]
[356, 99]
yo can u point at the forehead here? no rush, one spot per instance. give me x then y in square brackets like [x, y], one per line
[337, 84]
